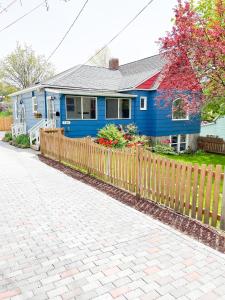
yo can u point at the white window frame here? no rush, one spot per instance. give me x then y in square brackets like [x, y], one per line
[82, 108]
[16, 107]
[174, 119]
[179, 142]
[34, 99]
[118, 101]
[145, 103]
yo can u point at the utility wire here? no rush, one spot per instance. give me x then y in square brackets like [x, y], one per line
[23, 16]
[68, 31]
[5, 8]
[120, 32]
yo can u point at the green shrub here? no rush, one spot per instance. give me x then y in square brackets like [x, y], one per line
[111, 136]
[21, 141]
[7, 137]
[199, 152]
[163, 149]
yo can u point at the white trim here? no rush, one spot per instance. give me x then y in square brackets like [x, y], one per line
[82, 117]
[27, 90]
[16, 108]
[145, 102]
[118, 108]
[179, 142]
[33, 99]
[53, 110]
[187, 114]
[91, 93]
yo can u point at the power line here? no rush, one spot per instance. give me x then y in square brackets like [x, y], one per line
[8, 6]
[23, 16]
[68, 31]
[120, 32]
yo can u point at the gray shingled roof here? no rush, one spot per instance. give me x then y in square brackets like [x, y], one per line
[97, 78]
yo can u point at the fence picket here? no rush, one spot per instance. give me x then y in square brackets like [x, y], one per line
[5, 123]
[216, 196]
[208, 194]
[188, 190]
[201, 192]
[177, 187]
[185, 188]
[194, 192]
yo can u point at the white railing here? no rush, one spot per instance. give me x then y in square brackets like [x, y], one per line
[18, 128]
[34, 132]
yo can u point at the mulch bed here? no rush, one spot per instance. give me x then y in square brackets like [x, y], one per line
[193, 228]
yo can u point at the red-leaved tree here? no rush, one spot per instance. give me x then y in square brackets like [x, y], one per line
[195, 56]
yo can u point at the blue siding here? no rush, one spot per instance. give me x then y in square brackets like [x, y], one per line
[157, 121]
[27, 102]
[154, 121]
[80, 128]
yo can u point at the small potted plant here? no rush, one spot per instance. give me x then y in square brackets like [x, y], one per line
[37, 115]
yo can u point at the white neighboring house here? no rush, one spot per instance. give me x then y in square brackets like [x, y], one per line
[216, 128]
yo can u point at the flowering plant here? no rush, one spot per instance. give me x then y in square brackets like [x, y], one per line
[113, 136]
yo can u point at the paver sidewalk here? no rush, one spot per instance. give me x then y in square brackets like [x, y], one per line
[61, 239]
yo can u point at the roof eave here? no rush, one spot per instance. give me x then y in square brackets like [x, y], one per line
[27, 90]
[83, 92]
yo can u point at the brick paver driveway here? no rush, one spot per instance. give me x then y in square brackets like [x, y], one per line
[61, 239]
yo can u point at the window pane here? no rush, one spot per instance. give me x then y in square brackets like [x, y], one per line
[112, 108]
[124, 108]
[77, 108]
[70, 108]
[143, 103]
[35, 106]
[174, 139]
[183, 138]
[178, 110]
[182, 146]
[89, 108]
[73, 107]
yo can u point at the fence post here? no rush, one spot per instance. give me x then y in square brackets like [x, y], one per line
[138, 169]
[222, 220]
[88, 152]
[108, 166]
[41, 141]
[59, 144]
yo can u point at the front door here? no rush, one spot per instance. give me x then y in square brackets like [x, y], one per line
[51, 109]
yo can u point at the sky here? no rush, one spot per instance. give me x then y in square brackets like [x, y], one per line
[99, 22]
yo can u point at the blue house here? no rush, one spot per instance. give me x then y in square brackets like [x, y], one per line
[85, 98]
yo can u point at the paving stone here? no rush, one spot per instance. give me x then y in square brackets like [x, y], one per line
[61, 239]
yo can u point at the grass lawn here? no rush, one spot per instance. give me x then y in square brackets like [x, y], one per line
[200, 158]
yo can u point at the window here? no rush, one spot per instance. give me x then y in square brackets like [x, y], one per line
[143, 103]
[178, 111]
[179, 142]
[118, 108]
[34, 105]
[81, 108]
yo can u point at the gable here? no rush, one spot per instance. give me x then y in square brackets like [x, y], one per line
[147, 84]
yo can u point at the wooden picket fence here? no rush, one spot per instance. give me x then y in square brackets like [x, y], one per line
[5, 123]
[195, 191]
[211, 144]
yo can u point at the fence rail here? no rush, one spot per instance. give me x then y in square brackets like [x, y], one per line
[194, 191]
[211, 144]
[5, 123]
